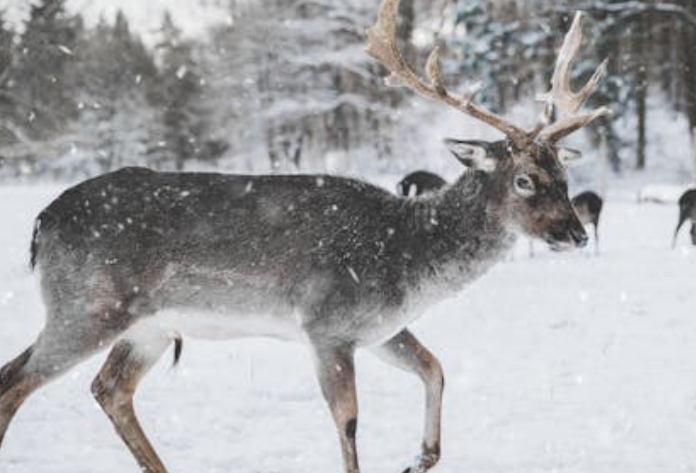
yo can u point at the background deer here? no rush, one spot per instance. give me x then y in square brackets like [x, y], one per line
[687, 211]
[418, 182]
[588, 206]
[133, 260]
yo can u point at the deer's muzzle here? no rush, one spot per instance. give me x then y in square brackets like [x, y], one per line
[566, 235]
[579, 237]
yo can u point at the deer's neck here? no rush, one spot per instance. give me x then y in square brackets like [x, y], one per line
[460, 232]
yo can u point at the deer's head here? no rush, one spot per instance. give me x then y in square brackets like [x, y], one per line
[530, 186]
[528, 166]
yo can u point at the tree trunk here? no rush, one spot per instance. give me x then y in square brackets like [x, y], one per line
[689, 71]
[693, 155]
[641, 112]
[641, 85]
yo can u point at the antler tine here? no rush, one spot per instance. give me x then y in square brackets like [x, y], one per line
[544, 117]
[565, 101]
[381, 45]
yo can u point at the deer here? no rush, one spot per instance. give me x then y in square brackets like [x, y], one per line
[418, 182]
[588, 206]
[135, 260]
[687, 211]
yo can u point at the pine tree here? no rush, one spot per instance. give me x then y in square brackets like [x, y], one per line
[113, 78]
[688, 70]
[508, 52]
[8, 117]
[46, 54]
[178, 95]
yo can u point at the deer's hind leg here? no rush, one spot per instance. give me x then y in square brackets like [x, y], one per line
[130, 359]
[15, 387]
[405, 351]
[63, 343]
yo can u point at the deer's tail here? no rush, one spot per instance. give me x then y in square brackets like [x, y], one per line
[178, 348]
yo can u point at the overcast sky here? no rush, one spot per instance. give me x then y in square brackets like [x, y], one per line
[145, 16]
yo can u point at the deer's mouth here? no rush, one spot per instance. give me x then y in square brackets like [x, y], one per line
[569, 241]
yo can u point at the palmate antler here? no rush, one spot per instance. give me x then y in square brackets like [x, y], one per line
[381, 45]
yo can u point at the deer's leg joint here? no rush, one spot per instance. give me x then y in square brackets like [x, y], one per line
[351, 428]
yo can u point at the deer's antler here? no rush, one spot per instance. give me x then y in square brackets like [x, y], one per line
[566, 102]
[381, 45]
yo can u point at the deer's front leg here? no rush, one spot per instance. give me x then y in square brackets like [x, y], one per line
[405, 351]
[335, 369]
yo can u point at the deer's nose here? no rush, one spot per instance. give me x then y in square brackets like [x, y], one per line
[579, 236]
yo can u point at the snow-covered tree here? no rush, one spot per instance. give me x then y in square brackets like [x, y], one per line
[509, 52]
[113, 78]
[178, 96]
[39, 76]
[8, 122]
[297, 83]
[36, 94]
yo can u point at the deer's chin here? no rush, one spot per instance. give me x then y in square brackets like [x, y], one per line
[556, 245]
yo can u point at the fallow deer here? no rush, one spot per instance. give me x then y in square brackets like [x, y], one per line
[687, 211]
[419, 182]
[134, 259]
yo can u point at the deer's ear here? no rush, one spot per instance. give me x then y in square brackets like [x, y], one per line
[567, 155]
[472, 154]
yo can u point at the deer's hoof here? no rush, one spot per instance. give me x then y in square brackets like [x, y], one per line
[423, 463]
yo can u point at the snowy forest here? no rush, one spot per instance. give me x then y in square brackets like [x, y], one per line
[284, 86]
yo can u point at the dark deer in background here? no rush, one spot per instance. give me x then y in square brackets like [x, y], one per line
[588, 206]
[135, 259]
[419, 182]
[687, 211]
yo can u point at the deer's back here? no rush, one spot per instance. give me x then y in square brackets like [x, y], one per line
[140, 210]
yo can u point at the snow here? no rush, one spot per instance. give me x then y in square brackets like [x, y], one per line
[661, 193]
[558, 363]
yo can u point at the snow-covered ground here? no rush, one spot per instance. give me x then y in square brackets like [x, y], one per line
[558, 363]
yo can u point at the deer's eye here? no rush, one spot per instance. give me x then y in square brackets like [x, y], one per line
[524, 185]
